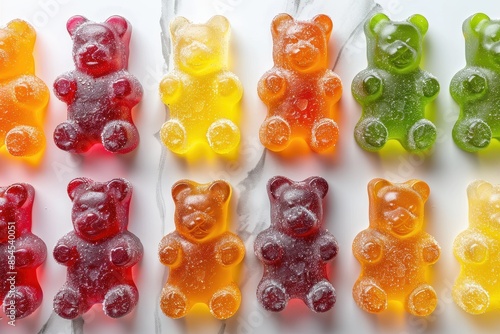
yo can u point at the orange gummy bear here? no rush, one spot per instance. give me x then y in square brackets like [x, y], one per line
[201, 252]
[395, 252]
[23, 96]
[300, 91]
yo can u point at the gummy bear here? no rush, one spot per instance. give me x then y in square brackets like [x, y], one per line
[201, 252]
[395, 252]
[300, 91]
[200, 91]
[475, 88]
[23, 96]
[296, 248]
[21, 252]
[393, 90]
[477, 288]
[100, 252]
[100, 92]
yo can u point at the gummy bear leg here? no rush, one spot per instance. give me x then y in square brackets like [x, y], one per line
[471, 297]
[472, 134]
[173, 302]
[119, 137]
[68, 303]
[275, 133]
[371, 134]
[321, 297]
[369, 296]
[174, 137]
[223, 136]
[69, 137]
[120, 300]
[24, 141]
[421, 135]
[324, 135]
[272, 296]
[422, 300]
[225, 302]
[25, 300]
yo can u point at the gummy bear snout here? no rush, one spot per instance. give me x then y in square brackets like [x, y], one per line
[301, 220]
[196, 55]
[401, 55]
[91, 55]
[199, 224]
[401, 221]
[302, 54]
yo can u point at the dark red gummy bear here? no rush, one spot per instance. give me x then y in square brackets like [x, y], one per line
[295, 249]
[100, 252]
[21, 252]
[100, 92]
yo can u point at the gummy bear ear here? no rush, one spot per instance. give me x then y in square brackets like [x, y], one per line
[17, 194]
[24, 30]
[422, 188]
[280, 23]
[75, 22]
[220, 23]
[324, 22]
[420, 22]
[319, 185]
[221, 190]
[178, 23]
[76, 185]
[179, 187]
[476, 21]
[120, 189]
[374, 23]
[478, 189]
[119, 24]
[275, 185]
[375, 185]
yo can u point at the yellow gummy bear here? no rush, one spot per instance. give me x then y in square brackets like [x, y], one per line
[477, 288]
[199, 91]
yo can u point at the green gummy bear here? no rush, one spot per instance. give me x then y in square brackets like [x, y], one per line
[476, 88]
[393, 90]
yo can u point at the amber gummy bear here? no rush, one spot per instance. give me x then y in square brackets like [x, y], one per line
[300, 91]
[394, 251]
[23, 96]
[201, 252]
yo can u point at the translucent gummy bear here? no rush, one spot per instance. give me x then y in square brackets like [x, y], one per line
[477, 249]
[100, 92]
[393, 90]
[201, 252]
[300, 91]
[100, 252]
[394, 251]
[21, 252]
[23, 96]
[476, 87]
[200, 91]
[296, 248]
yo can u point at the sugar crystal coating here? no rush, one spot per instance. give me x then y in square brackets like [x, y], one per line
[100, 92]
[296, 247]
[201, 252]
[300, 91]
[393, 91]
[477, 249]
[394, 251]
[200, 91]
[21, 252]
[99, 252]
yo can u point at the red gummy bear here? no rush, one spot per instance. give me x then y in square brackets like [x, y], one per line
[100, 252]
[21, 252]
[295, 249]
[100, 92]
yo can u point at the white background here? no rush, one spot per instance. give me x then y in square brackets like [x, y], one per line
[152, 171]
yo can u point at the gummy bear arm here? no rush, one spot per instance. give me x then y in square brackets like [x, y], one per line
[268, 248]
[469, 84]
[126, 251]
[430, 87]
[170, 88]
[127, 88]
[328, 246]
[331, 85]
[30, 251]
[31, 92]
[272, 85]
[66, 249]
[229, 250]
[170, 250]
[368, 247]
[471, 247]
[230, 86]
[431, 250]
[65, 87]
